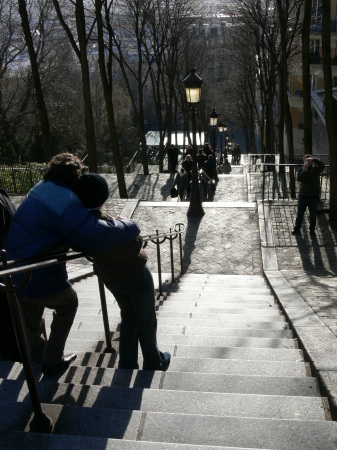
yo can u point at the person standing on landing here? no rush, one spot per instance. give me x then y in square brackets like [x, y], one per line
[126, 275]
[309, 193]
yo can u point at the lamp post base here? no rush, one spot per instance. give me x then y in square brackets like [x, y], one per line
[195, 209]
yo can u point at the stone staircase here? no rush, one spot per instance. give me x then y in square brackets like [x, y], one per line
[237, 379]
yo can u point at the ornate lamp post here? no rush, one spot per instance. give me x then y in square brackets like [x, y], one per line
[222, 127]
[213, 121]
[193, 85]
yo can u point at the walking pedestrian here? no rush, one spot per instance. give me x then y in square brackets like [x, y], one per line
[187, 164]
[181, 181]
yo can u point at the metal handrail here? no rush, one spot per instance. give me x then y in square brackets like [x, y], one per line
[40, 421]
[275, 181]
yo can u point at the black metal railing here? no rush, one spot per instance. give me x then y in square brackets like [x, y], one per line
[272, 181]
[41, 422]
[20, 178]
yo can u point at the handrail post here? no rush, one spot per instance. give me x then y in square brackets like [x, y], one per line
[181, 250]
[159, 265]
[40, 423]
[171, 253]
[105, 316]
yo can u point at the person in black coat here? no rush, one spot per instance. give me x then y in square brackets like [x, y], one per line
[172, 154]
[187, 165]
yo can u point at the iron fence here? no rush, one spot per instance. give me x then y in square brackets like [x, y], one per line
[272, 181]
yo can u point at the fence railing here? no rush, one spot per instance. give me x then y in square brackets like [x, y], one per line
[272, 181]
[19, 178]
[40, 421]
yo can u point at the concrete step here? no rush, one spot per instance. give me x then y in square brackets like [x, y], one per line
[195, 311]
[210, 306]
[262, 354]
[195, 429]
[219, 289]
[198, 340]
[169, 401]
[196, 365]
[185, 381]
[211, 313]
[40, 441]
[236, 378]
[174, 299]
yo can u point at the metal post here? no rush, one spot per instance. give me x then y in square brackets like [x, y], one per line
[171, 252]
[159, 265]
[195, 207]
[40, 423]
[109, 348]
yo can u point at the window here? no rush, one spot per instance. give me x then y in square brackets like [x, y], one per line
[314, 46]
[316, 11]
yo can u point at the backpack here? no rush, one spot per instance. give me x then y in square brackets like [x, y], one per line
[8, 345]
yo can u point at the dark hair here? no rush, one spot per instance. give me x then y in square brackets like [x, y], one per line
[63, 168]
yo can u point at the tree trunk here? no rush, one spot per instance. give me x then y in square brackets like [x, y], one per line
[329, 110]
[306, 78]
[89, 118]
[43, 114]
[108, 103]
[284, 82]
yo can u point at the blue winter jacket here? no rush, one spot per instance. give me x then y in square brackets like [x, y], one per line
[51, 219]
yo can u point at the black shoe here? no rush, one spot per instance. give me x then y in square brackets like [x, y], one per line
[312, 233]
[65, 362]
[166, 359]
[295, 231]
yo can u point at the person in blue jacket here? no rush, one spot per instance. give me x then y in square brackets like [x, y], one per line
[125, 272]
[50, 220]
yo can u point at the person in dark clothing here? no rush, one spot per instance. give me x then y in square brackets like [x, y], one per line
[309, 194]
[227, 168]
[181, 181]
[50, 220]
[187, 164]
[172, 154]
[126, 275]
[201, 158]
[209, 168]
[9, 349]
[208, 149]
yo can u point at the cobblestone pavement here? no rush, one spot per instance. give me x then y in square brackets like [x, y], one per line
[308, 263]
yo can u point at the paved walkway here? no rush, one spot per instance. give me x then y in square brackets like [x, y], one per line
[237, 236]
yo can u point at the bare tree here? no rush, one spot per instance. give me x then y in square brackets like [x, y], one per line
[11, 47]
[106, 79]
[79, 46]
[44, 120]
[306, 77]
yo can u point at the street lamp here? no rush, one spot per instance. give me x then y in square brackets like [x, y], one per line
[213, 121]
[193, 85]
[222, 127]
